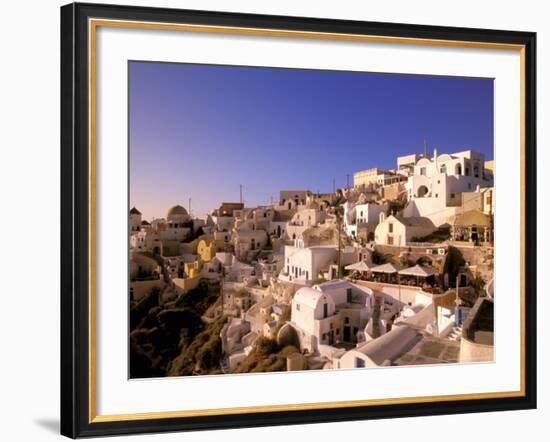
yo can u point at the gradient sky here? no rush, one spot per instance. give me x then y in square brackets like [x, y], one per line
[198, 131]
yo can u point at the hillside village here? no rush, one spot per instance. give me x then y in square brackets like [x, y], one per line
[395, 269]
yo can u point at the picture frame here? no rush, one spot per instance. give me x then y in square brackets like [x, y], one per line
[79, 210]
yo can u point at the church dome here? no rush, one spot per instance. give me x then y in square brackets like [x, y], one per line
[177, 213]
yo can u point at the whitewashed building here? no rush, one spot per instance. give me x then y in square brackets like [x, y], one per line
[329, 313]
[248, 242]
[435, 188]
[399, 231]
[360, 220]
[302, 265]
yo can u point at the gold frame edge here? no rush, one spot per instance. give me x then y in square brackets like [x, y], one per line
[93, 23]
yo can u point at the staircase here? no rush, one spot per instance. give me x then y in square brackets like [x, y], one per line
[455, 334]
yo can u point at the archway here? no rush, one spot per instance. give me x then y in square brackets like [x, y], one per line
[422, 191]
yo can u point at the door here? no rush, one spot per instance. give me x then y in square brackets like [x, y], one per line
[346, 333]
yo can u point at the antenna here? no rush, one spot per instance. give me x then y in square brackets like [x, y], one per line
[425, 148]
[240, 193]
[189, 205]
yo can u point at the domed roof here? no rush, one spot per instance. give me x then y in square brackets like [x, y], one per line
[176, 210]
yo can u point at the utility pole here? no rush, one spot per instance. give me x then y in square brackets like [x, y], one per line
[339, 224]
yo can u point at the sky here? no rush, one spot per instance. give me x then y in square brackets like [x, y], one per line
[201, 131]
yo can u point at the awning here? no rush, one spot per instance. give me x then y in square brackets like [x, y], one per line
[387, 268]
[361, 266]
[417, 270]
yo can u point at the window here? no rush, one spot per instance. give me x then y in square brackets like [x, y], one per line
[348, 295]
[298, 307]
[359, 363]
[346, 321]
[390, 227]
[325, 310]
[423, 171]
[452, 195]
[443, 169]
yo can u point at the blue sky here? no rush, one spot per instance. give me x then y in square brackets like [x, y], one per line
[199, 131]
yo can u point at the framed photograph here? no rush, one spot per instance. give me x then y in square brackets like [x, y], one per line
[274, 220]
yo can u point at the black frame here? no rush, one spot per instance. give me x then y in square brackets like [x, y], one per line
[75, 220]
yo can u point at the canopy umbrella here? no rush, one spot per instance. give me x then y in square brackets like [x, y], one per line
[418, 272]
[361, 266]
[387, 268]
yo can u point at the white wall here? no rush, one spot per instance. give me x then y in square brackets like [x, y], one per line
[30, 102]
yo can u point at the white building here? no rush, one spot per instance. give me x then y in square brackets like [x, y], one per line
[329, 313]
[153, 237]
[308, 216]
[291, 199]
[381, 351]
[248, 242]
[360, 220]
[234, 270]
[302, 265]
[434, 190]
[135, 220]
[270, 267]
[399, 231]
